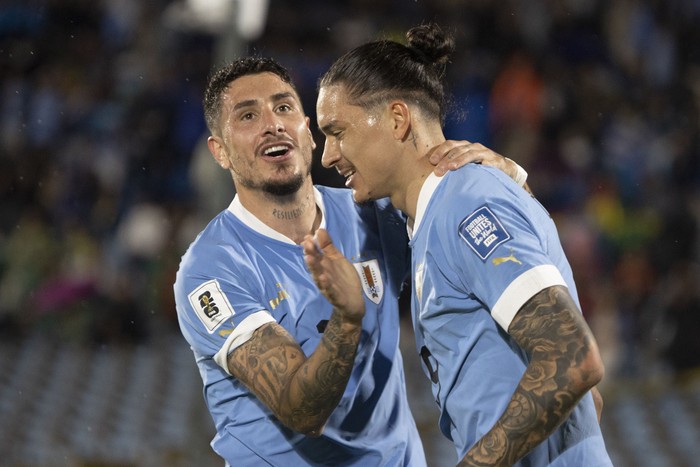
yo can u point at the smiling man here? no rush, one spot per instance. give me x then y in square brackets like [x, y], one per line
[497, 322]
[289, 377]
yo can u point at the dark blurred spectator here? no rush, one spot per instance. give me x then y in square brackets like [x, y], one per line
[681, 317]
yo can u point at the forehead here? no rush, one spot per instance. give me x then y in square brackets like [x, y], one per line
[257, 88]
[332, 103]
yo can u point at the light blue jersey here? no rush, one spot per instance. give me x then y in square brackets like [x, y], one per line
[481, 248]
[239, 274]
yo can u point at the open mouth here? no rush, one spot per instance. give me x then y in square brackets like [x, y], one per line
[348, 177]
[277, 150]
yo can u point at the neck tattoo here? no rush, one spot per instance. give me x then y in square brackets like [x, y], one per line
[288, 215]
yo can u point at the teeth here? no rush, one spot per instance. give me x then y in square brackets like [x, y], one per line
[275, 149]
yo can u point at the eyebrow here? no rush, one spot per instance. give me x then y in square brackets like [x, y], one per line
[329, 126]
[275, 98]
[282, 96]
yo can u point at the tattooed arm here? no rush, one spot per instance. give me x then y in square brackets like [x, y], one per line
[302, 392]
[564, 365]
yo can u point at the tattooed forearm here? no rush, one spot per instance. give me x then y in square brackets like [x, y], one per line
[317, 393]
[301, 392]
[264, 361]
[564, 365]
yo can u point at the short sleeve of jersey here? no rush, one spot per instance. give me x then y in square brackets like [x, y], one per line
[215, 303]
[498, 240]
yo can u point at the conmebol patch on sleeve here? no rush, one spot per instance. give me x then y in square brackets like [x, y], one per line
[483, 232]
[210, 304]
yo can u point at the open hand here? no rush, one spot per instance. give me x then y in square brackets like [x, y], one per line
[335, 277]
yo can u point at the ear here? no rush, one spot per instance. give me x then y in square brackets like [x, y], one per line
[401, 119]
[216, 147]
[311, 135]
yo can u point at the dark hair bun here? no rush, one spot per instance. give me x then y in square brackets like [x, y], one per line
[431, 42]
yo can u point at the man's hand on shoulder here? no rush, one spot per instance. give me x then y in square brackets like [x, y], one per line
[451, 155]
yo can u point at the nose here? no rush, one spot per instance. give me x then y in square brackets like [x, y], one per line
[330, 155]
[272, 124]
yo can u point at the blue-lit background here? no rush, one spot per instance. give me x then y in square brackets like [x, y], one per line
[104, 181]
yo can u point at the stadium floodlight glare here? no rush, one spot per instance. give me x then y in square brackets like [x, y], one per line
[250, 18]
[247, 17]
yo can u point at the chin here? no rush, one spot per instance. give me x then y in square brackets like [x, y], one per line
[361, 198]
[284, 188]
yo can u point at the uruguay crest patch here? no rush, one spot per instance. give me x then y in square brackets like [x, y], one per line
[483, 232]
[371, 279]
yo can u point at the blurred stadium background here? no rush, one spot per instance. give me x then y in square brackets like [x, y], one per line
[104, 181]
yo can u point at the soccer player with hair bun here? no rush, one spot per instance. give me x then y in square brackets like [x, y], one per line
[497, 320]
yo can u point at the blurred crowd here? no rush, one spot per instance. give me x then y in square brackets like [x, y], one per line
[105, 178]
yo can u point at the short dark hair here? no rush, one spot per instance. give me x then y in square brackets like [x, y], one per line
[381, 70]
[221, 78]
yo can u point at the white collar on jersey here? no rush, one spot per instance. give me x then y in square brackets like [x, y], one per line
[256, 224]
[426, 192]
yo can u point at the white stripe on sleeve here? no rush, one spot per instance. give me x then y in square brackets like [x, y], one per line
[522, 289]
[240, 335]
